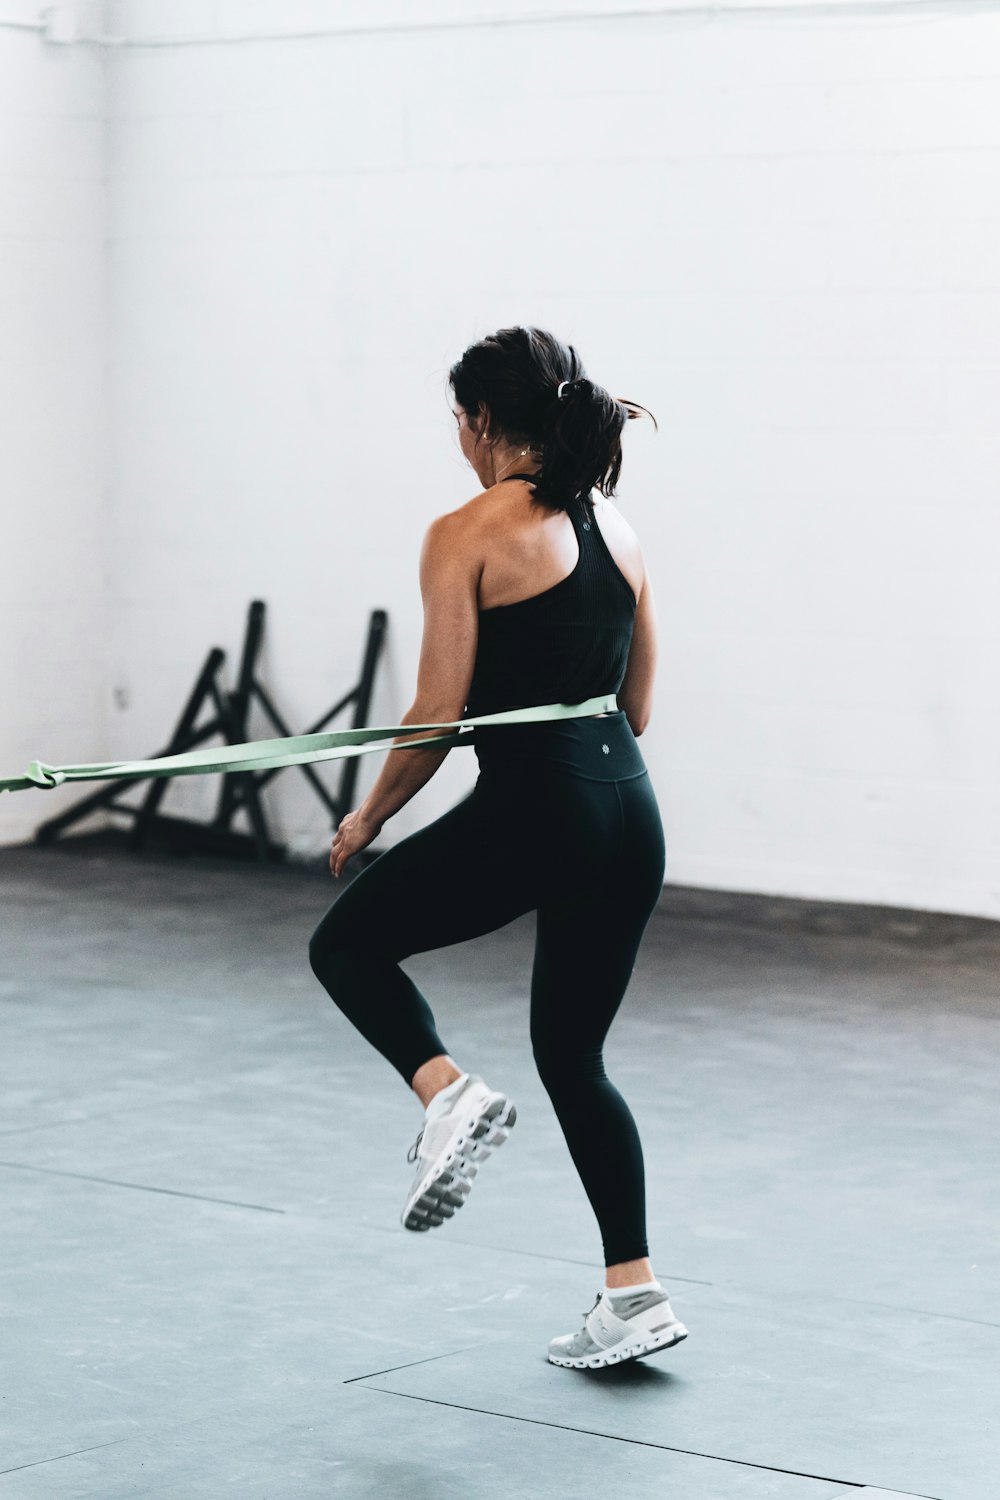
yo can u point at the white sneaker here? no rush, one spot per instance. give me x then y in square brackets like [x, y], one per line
[449, 1150]
[643, 1323]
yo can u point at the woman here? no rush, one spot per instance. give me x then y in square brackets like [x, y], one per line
[533, 593]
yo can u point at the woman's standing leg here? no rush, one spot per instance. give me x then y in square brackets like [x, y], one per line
[587, 942]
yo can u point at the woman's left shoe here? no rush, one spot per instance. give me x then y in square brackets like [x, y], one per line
[449, 1150]
[643, 1323]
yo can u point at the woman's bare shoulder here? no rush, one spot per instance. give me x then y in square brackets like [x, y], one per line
[464, 531]
[621, 522]
[621, 536]
[480, 515]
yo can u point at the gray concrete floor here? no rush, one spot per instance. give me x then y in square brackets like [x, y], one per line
[203, 1165]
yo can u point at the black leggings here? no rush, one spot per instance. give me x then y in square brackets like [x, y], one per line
[561, 820]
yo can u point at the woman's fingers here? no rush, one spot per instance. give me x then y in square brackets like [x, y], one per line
[337, 856]
[353, 835]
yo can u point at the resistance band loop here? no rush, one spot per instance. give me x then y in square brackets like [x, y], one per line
[295, 750]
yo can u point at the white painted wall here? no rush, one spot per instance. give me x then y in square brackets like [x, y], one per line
[779, 232]
[53, 654]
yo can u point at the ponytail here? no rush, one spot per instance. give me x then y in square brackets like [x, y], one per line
[535, 392]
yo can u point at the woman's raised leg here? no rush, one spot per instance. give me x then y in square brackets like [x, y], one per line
[461, 876]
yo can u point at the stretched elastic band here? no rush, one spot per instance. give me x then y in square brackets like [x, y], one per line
[294, 750]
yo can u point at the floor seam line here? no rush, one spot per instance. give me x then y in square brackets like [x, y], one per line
[566, 1260]
[58, 1457]
[921, 1312]
[428, 1359]
[617, 1438]
[138, 1187]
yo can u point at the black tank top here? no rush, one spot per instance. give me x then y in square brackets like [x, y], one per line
[569, 643]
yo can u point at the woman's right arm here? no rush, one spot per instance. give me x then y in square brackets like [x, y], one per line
[635, 695]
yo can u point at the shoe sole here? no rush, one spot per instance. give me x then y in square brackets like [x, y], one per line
[628, 1350]
[444, 1191]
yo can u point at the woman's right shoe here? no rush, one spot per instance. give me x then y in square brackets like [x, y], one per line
[450, 1149]
[643, 1324]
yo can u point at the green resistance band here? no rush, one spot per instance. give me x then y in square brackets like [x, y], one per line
[296, 749]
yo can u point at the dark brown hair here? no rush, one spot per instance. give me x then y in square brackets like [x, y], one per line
[515, 374]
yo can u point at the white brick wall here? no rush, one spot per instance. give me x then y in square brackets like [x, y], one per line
[53, 673]
[780, 233]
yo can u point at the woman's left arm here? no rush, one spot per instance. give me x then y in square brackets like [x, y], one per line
[449, 584]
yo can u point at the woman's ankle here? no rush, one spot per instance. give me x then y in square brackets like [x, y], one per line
[433, 1076]
[628, 1273]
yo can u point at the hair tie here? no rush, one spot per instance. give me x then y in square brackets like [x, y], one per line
[562, 386]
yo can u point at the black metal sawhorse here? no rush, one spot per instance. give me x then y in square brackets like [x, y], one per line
[239, 788]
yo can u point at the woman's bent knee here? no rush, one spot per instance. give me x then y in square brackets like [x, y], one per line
[331, 933]
[326, 953]
[317, 952]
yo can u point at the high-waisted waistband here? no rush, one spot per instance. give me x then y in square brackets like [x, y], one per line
[602, 748]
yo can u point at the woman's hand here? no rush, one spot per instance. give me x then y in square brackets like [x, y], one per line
[354, 833]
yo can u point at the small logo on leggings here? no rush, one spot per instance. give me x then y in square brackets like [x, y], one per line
[605, 749]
